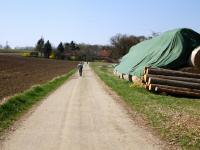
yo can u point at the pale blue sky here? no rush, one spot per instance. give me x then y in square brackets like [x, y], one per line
[23, 22]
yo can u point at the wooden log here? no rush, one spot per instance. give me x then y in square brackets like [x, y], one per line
[146, 87]
[118, 74]
[135, 79]
[167, 72]
[177, 92]
[193, 80]
[146, 78]
[144, 71]
[153, 87]
[125, 76]
[115, 72]
[174, 83]
[121, 76]
[142, 79]
[130, 78]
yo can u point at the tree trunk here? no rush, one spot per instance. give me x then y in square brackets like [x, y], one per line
[166, 72]
[145, 70]
[177, 92]
[153, 87]
[146, 87]
[142, 79]
[193, 80]
[174, 83]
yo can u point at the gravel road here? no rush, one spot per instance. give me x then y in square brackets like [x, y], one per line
[80, 115]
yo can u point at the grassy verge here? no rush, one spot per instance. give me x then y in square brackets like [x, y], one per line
[19, 104]
[177, 120]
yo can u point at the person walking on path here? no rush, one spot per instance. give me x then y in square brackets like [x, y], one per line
[80, 68]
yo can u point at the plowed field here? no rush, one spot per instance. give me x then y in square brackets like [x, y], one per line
[19, 73]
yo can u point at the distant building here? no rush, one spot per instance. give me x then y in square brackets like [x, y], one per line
[104, 53]
[74, 55]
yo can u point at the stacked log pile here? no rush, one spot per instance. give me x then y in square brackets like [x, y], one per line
[172, 82]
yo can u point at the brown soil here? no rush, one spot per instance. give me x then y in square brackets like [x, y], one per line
[19, 73]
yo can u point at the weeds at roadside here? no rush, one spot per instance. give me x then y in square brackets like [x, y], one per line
[176, 119]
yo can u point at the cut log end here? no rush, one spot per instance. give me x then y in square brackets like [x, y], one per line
[149, 81]
[151, 87]
[194, 59]
[144, 71]
[146, 87]
[145, 78]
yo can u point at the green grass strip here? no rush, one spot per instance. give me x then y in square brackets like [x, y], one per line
[175, 119]
[19, 104]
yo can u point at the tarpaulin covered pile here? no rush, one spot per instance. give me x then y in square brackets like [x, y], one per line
[171, 49]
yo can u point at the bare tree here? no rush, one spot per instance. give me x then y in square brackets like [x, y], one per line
[121, 43]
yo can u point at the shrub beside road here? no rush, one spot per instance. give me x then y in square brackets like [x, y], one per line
[177, 120]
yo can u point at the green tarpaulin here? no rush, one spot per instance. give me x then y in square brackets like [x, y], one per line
[171, 49]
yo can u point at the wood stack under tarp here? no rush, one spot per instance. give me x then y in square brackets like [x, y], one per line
[172, 82]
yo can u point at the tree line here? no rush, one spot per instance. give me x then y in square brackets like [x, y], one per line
[45, 49]
[118, 47]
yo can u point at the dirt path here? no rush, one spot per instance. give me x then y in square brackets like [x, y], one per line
[80, 115]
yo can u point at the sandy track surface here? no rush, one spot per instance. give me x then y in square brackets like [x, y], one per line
[80, 115]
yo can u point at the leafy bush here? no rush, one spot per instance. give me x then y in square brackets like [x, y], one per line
[27, 54]
[52, 56]
[34, 54]
[72, 58]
